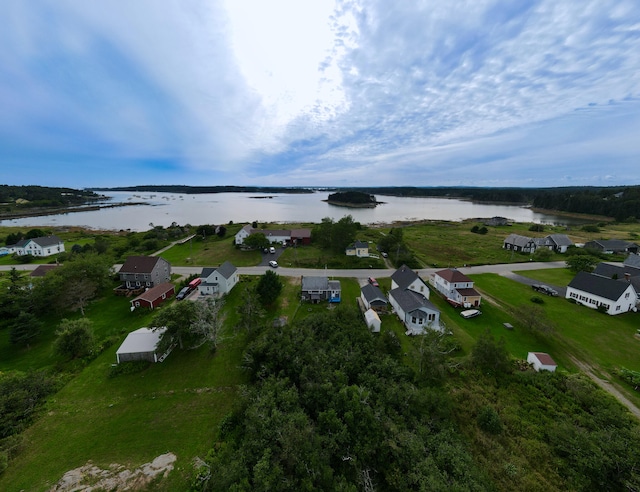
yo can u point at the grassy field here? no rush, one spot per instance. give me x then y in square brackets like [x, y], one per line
[176, 406]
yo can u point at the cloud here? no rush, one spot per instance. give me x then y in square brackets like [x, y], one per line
[344, 91]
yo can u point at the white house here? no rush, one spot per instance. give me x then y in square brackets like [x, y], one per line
[280, 236]
[373, 320]
[405, 278]
[141, 345]
[541, 361]
[359, 249]
[38, 246]
[218, 281]
[456, 287]
[414, 310]
[616, 296]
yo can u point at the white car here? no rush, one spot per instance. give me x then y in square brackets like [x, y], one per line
[273, 263]
[470, 313]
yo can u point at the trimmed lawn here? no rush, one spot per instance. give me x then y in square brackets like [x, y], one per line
[210, 252]
[552, 276]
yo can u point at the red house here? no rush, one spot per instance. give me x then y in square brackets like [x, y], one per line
[154, 296]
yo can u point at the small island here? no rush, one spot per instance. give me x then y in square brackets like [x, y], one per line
[354, 199]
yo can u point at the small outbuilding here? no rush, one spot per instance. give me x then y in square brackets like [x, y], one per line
[373, 320]
[141, 345]
[154, 296]
[541, 361]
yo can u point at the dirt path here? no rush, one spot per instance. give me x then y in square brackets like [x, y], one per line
[607, 386]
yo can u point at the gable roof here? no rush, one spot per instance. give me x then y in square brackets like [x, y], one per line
[518, 240]
[404, 277]
[599, 286]
[560, 239]
[42, 270]
[300, 233]
[227, 269]
[141, 340]
[153, 293]
[612, 244]
[633, 260]
[410, 300]
[544, 359]
[45, 241]
[315, 283]
[608, 270]
[140, 264]
[372, 293]
[453, 276]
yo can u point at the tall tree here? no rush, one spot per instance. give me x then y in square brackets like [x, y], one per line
[26, 328]
[74, 338]
[250, 310]
[191, 324]
[269, 287]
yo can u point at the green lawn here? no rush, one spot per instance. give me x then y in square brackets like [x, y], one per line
[172, 406]
[554, 276]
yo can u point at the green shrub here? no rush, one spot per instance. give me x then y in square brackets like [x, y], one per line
[128, 368]
[537, 299]
[489, 420]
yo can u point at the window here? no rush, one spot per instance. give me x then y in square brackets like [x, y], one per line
[617, 308]
[413, 320]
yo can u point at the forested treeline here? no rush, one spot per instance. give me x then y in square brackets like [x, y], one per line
[44, 196]
[333, 407]
[355, 197]
[194, 190]
[619, 202]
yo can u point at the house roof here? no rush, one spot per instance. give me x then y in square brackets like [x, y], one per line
[315, 283]
[608, 270]
[470, 292]
[42, 270]
[517, 239]
[227, 269]
[372, 293]
[334, 284]
[599, 286]
[140, 264]
[560, 239]
[612, 244]
[141, 340]
[153, 293]
[300, 233]
[47, 241]
[544, 359]
[370, 315]
[404, 277]
[452, 275]
[410, 301]
[632, 260]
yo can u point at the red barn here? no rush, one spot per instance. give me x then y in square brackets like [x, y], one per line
[154, 296]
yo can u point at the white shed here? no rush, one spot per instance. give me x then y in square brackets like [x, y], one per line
[541, 361]
[373, 320]
[141, 345]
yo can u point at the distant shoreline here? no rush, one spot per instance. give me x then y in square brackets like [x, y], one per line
[41, 212]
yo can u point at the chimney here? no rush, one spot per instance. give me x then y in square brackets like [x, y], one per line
[627, 277]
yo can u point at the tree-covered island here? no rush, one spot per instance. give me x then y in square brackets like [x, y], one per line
[356, 199]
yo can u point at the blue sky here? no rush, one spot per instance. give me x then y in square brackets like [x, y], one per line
[323, 93]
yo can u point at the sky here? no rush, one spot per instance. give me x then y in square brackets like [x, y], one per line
[107, 93]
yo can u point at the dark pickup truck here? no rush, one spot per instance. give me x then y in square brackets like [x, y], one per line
[544, 289]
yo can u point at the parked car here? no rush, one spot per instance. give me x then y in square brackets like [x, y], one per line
[184, 292]
[373, 282]
[384, 254]
[273, 263]
[544, 289]
[470, 313]
[272, 250]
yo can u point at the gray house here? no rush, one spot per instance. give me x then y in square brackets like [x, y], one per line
[317, 289]
[611, 246]
[218, 281]
[373, 298]
[414, 310]
[520, 244]
[405, 278]
[144, 271]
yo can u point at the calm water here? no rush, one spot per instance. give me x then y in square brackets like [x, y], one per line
[220, 208]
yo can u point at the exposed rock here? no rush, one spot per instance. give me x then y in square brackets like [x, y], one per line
[89, 477]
